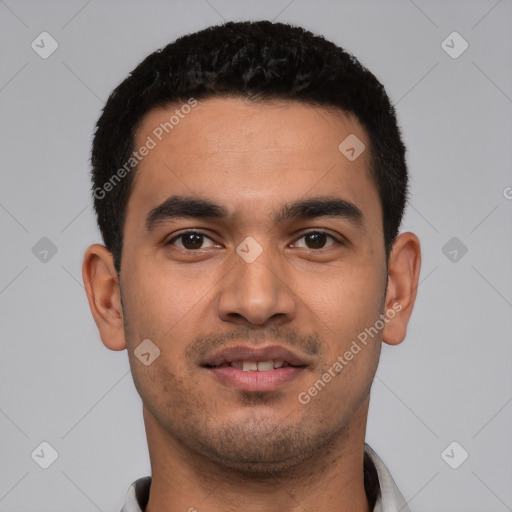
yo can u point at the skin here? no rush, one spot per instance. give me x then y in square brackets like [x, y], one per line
[214, 447]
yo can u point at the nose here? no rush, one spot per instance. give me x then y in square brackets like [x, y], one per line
[257, 292]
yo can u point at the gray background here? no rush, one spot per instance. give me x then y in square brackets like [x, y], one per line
[449, 381]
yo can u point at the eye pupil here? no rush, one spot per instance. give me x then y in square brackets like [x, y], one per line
[318, 240]
[193, 239]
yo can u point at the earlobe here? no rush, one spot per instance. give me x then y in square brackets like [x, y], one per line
[403, 275]
[103, 293]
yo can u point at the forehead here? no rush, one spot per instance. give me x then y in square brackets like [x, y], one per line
[237, 151]
[233, 125]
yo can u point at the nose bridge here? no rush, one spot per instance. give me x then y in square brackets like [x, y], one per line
[256, 288]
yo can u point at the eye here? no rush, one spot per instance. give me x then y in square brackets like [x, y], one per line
[194, 240]
[317, 239]
[191, 240]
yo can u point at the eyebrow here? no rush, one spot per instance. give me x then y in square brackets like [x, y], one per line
[178, 207]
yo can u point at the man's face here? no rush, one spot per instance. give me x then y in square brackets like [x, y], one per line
[255, 285]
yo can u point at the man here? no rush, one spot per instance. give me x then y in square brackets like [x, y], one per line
[249, 182]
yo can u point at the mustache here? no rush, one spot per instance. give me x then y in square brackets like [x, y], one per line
[204, 344]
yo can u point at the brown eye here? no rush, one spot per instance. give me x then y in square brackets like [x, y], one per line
[316, 240]
[190, 240]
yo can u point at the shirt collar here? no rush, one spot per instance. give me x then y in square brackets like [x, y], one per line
[389, 498]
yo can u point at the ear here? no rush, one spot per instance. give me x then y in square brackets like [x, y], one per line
[102, 288]
[403, 275]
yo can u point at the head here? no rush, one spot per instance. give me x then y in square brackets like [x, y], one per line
[233, 216]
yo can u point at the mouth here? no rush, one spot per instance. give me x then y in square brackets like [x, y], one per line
[255, 369]
[254, 366]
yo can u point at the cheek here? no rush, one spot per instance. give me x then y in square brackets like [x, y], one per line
[349, 313]
[158, 299]
[161, 306]
[350, 302]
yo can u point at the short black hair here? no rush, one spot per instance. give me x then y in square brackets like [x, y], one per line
[260, 61]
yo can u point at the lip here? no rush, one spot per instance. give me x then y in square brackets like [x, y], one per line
[256, 381]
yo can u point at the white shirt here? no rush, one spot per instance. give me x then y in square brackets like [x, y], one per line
[389, 498]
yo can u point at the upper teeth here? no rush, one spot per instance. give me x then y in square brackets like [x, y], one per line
[260, 366]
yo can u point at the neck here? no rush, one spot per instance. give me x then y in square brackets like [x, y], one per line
[186, 480]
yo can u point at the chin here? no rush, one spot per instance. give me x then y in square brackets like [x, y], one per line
[262, 448]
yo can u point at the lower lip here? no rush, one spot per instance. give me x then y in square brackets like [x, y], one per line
[256, 381]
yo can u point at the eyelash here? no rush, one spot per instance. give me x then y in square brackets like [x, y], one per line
[314, 231]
